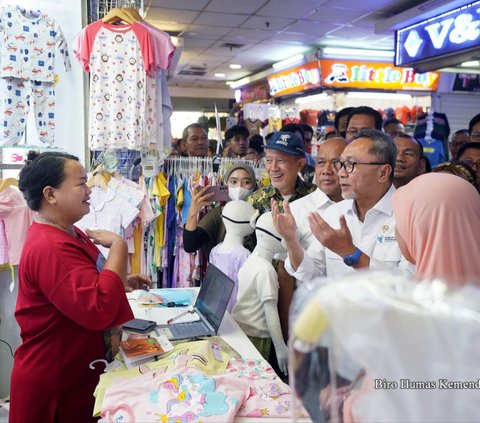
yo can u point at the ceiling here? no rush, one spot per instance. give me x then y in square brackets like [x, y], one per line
[264, 32]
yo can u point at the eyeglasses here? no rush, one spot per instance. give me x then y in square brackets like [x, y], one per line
[457, 143]
[475, 135]
[473, 164]
[349, 165]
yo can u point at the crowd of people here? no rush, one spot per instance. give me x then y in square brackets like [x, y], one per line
[369, 199]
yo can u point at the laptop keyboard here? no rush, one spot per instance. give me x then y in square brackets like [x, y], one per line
[192, 329]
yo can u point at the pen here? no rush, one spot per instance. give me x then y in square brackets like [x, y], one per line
[189, 310]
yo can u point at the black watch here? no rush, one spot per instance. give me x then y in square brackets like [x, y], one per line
[353, 259]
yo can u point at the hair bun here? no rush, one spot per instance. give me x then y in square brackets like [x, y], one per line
[31, 156]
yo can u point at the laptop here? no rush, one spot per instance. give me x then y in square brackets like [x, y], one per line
[210, 306]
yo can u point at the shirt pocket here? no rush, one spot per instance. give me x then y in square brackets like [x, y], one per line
[386, 255]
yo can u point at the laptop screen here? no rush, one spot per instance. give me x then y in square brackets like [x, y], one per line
[214, 295]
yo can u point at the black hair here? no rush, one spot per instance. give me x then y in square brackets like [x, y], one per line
[293, 127]
[191, 126]
[366, 110]
[341, 113]
[473, 122]
[306, 128]
[461, 131]
[236, 130]
[389, 121]
[383, 148]
[468, 146]
[256, 142]
[40, 171]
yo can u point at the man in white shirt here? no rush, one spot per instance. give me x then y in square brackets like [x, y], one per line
[328, 190]
[358, 232]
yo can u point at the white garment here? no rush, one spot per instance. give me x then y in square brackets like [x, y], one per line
[257, 283]
[108, 211]
[317, 201]
[375, 237]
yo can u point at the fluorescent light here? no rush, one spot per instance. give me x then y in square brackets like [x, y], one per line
[219, 75]
[235, 66]
[334, 51]
[473, 63]
[311, 98]
[239, 83]
[379, 96]
[288, 62]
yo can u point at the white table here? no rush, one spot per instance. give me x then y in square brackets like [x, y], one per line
[229, 331]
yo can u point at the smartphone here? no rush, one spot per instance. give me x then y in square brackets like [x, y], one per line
[140, 325]
[220, 193]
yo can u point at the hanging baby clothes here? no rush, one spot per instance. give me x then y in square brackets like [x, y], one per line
[29, 40]
[108, 211]
[17, 218]
[118, 57]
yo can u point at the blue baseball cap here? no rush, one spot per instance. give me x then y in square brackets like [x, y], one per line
[286, 142]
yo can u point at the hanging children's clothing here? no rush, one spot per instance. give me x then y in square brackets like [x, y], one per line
[29, 40]
[118, 57]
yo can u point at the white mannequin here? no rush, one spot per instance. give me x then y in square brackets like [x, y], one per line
[236, 216]
[250, 278]
[230, 255]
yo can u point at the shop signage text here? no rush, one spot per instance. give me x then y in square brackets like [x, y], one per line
[373, 75]
[448, 33]
[294, 80]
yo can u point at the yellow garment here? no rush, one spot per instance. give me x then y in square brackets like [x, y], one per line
[136, 257]
[160, 190]
[197, 354]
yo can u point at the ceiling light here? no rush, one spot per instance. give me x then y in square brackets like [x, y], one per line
[386, 96]
[334, 51]
[239, 83]
[311, 98]
[219, 75]
[235, 66]
[288, 62]
[473, 63]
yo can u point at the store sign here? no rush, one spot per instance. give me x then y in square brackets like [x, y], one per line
[375, 76]
[295, 80]
[447, 33]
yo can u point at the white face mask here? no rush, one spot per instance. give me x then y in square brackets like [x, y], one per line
[238, 193]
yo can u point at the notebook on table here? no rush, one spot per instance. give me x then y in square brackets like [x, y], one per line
[210, 306]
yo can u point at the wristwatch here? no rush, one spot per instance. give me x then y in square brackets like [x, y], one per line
[352, 259]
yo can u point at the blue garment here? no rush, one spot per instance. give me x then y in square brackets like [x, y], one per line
[433, 149]
[171, 228]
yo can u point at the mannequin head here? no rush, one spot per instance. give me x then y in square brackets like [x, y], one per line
[267, 236]
[236, 216]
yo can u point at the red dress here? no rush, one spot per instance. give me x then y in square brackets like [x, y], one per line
[66, 303]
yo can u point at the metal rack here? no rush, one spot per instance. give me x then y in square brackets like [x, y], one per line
[99, 8]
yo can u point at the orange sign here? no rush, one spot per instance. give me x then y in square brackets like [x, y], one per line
[374, 75]
[296, 79]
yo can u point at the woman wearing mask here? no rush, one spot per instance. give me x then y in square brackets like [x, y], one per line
[210, 230]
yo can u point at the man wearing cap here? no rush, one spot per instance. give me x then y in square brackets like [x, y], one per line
[284, 159]
[358, 232]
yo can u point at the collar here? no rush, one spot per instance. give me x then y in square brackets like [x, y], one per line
[384, 205]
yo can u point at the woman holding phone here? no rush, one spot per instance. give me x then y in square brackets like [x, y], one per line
[210, 231]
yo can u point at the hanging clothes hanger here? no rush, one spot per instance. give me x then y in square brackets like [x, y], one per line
[133, 13]
[9, 182]
[116, 15]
